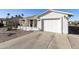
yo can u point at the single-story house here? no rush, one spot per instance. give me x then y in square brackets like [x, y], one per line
[49, 21]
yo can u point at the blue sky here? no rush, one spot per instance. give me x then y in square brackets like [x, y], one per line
[29, 12]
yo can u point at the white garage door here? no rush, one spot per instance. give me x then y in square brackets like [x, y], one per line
[52, 26]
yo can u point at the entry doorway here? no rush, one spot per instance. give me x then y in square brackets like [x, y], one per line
[31, 23]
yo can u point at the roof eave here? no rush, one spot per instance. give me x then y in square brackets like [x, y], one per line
[69, 14]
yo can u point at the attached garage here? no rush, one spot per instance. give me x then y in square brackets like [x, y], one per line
[54, 21]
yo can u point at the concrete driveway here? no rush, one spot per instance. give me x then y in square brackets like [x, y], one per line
[41, 40]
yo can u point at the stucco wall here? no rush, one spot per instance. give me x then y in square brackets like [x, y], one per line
[39, 24]
[65, 25]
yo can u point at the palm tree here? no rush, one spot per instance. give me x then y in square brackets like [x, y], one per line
[8, 14]
[8, 22]
[19, 16]
[12, 17]
[16, 16]
[22, 14]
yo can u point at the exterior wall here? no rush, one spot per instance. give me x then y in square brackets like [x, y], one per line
[65, 25]
[26, 28]
[26, 22]
[26, 25]
[23, 22]
[39, 24]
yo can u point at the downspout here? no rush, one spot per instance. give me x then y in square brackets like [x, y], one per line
[62, 25]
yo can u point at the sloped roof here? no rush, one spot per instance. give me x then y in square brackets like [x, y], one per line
[48, 11]
[32, 17]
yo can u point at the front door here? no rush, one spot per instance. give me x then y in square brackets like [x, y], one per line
[31, 23]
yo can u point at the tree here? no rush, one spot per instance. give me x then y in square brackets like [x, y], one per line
[19, 16]
[16, 16]
[22, 14]
[15, 23]
[12, 17]
[9, 22]
[8, 14]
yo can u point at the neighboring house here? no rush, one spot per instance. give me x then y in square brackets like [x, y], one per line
[2, 22]
[15, 21]
[49, 21]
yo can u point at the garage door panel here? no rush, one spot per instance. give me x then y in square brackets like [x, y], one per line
[52, 25]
